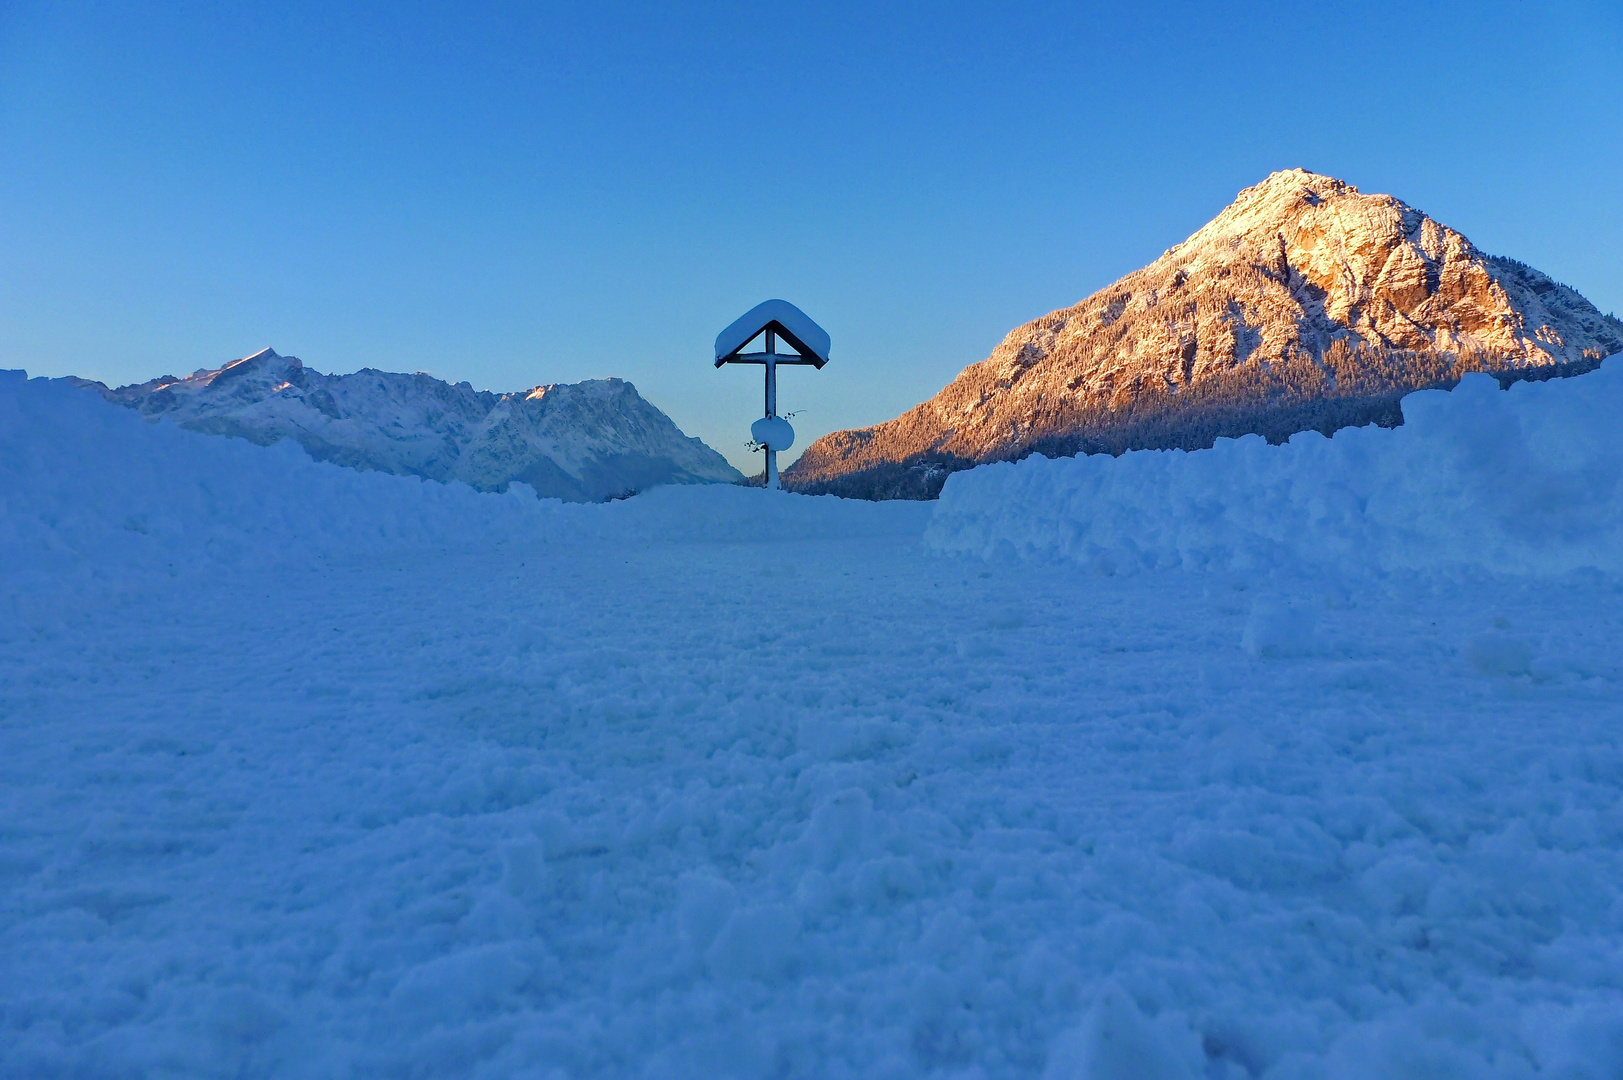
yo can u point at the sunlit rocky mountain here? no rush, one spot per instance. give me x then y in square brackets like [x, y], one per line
[1303, 305]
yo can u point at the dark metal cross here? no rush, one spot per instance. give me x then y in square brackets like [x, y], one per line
[770, 359]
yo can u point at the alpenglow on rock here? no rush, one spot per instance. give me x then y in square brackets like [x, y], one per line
[583, 441]
[1303, 305]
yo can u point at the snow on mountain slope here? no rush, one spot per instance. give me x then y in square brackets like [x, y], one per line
[1305, 305]
[318, 773]
[1523, 480]
[583, 441]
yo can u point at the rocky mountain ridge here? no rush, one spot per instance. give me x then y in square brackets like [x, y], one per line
[585, 441]
[1303, 305]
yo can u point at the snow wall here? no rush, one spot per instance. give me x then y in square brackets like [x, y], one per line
[85, 484]
[1524, 480]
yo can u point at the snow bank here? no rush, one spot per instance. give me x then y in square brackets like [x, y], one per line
[708, 783]
[1524, 480]
[86, 484]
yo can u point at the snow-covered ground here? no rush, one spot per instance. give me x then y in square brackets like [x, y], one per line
[308, 772]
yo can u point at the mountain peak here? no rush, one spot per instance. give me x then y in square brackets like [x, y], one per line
[1290, 190]
[1297, 180]
[265, 358]
[1303, 304]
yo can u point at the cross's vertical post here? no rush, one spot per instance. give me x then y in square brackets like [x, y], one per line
[771, 365]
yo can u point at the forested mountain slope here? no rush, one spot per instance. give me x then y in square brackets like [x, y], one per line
[1303, 305]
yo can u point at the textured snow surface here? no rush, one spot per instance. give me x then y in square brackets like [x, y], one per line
[309, 772]
[1526, 480]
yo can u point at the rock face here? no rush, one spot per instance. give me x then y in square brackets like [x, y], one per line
[584, 441]
[1303, 305]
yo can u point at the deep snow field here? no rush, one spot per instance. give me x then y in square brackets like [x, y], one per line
[1285, 762]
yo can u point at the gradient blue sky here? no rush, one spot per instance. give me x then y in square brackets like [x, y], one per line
[517, 194]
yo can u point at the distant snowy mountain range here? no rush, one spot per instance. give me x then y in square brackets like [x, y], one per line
[584, 442]
[1303, 305]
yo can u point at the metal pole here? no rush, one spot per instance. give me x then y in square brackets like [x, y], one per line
[772, 480]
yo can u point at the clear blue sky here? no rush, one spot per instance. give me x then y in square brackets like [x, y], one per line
[531, 193]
